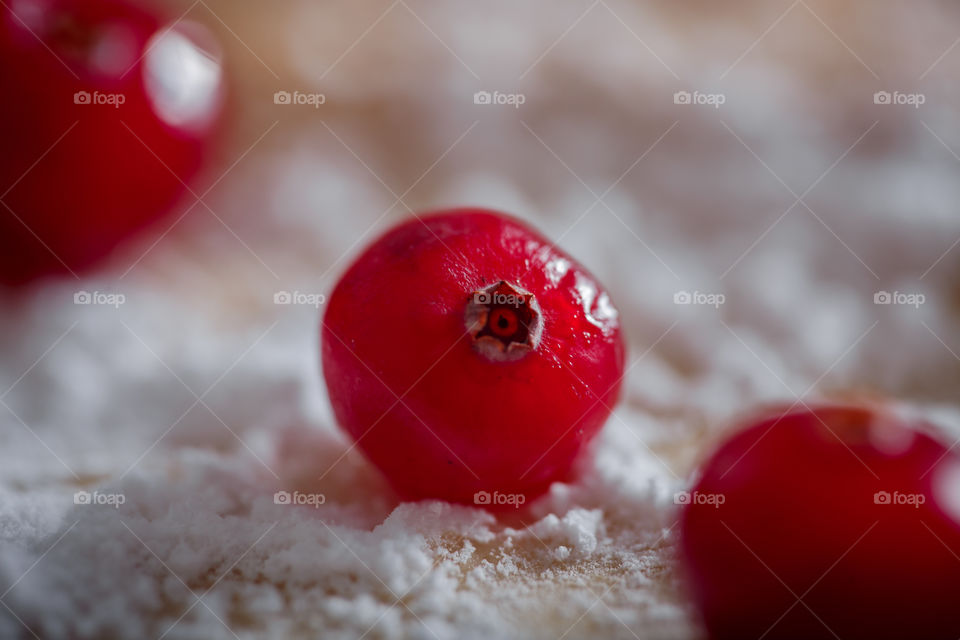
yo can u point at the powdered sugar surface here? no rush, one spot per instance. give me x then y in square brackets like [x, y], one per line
[199, 398]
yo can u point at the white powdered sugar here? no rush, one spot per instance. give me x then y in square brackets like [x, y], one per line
[171, 467]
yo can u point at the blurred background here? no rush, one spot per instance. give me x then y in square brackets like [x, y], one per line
[769, 190]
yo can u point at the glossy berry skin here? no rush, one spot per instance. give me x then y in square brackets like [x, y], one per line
[449, 397]
[103, 115]
[862, 525]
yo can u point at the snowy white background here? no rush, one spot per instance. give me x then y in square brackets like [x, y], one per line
[197, 399]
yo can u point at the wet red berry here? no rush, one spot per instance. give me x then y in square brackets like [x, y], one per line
[104, 112]
[469, 358]
[841, 522]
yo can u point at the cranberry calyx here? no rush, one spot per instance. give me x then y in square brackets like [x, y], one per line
[504, 321]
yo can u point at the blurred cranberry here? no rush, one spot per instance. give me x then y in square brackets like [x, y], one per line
[840, 522]
[104, 113]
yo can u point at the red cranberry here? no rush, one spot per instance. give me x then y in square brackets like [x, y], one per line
[103, 114]
[836, 522]
[469, 358]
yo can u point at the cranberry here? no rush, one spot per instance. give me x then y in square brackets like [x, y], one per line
[469, 358]
[841, 521]
[104, 112]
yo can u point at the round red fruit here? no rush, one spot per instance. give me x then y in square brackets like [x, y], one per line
[106, 113]
[835, 522]
[470, 359]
